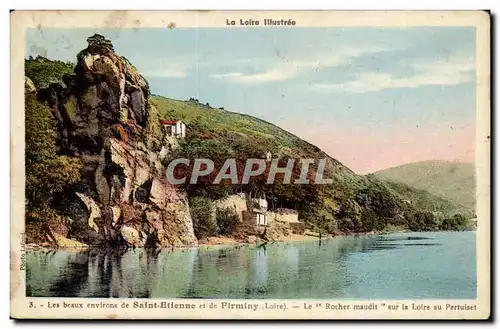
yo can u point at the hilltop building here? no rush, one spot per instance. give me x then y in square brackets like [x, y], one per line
[174, 128]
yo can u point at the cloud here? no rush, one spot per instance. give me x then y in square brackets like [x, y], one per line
[168, 72]
[285, 68]
[227, 75]
[172, 67]
[238, 77]
[449, 72]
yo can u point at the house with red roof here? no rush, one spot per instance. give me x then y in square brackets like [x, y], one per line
[174, 128]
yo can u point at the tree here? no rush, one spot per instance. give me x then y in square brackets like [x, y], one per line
[202, 213]
[422, 221]
[99, 41]
[371, 221]
[46, 171]
[456, 223]
[349, 216]
[227, 219]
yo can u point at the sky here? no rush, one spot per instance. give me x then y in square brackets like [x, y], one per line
[372, 98]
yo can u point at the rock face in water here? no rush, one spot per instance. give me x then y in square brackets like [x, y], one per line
[104, 117]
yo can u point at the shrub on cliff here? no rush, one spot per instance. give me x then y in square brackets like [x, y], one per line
[153, 131]
[100, 42]
[227, 219]
[204, 222]
[119, 132]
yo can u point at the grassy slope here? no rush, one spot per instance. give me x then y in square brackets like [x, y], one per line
[448, 180]
[231, 125]
[232, 128]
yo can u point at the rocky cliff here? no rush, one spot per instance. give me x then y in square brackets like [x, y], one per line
[104, 117]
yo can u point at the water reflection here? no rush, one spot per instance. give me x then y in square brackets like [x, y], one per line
[280, 270]
[260, 271]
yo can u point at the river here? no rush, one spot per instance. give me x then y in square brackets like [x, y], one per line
[430, 265]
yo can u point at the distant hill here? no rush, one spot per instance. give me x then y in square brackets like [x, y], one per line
[426, 201]
[452, 181]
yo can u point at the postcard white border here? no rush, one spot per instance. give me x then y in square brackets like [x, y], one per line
[21, 20]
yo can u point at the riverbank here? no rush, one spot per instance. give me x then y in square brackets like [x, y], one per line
[251, 239]
[212, 241]
[218, 241]
[308, 236]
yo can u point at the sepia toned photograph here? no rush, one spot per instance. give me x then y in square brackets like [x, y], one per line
[250, 165]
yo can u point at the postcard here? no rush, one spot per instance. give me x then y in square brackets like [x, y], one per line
[250, 165]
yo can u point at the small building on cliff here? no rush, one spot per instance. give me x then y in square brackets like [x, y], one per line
[260, 217]
[174, 128]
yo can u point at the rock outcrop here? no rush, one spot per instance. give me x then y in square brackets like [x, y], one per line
[104, 117]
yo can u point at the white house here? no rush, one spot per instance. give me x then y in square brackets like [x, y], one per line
[260, 210]
[174, 128]
[260, 218]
